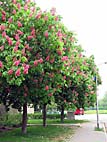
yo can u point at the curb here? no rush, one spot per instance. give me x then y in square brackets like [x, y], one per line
[105, 130]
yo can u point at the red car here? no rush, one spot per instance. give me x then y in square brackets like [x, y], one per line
[79, 111]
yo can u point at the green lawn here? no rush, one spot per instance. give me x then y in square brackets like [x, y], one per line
[94, 112]
[55, 121]
[38, 134]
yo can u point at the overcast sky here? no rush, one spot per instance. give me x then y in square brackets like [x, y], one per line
[88, 19]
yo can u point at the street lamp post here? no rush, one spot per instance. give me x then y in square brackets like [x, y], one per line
[97, 107]
[97, 112]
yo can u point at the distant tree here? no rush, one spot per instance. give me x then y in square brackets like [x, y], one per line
[103, 102]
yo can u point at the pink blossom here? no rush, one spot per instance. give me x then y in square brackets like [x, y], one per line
[25, 71]
[3, 17]
[3, 12]
[38, 16]
[14, 59]
[14, 11]
[9, 40]
[30, 15]
[52, 60]
[16, 63]
[59, 34]
[17, 43]
[29, 37]
[86, 94]
[33, 9]
[2, 47]
[1, 64]
[46, 18]
[72, 39]
[33, 32]
[59, 52]
[19, 24]
[28, 1]
[50, 94]
[14, 1]
[35, 63]
[15, 48]
[27, 46]
[46, 34]
[40, 60]
[2, 27]
[26, 66]
[64, 58]
[56, 18]
[53, 11]
[17, 73]
[23, 51]
[26, 7]
[46, 87]
[64, 77]
[0, 3]
[10, 71]
[10, 20]
[18, 5]
[20, 32]
[47, 58]
[25, 94]
[17, 37]
[64, 49]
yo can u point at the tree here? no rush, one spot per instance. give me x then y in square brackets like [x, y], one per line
[81, 91]
[103, 102]
[31, 55]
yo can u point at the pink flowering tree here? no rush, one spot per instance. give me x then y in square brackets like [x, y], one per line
[81, 91]
[31, 53]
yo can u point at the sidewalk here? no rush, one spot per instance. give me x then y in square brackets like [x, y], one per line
[86, 133]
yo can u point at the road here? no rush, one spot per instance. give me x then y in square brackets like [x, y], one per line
[102, 117]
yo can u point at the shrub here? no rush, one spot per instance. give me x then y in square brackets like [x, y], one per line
[11, 119]
[39, 116]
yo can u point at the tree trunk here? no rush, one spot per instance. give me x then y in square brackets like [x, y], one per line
[62, 114]
[44, 115]
[24, 119]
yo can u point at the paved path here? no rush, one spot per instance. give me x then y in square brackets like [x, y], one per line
[86, 133]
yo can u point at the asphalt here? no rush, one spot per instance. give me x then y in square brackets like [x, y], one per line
[87, 133]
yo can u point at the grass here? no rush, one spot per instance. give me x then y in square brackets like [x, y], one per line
[38, 134]
[55, 121]
[94, 112]
[98, 129]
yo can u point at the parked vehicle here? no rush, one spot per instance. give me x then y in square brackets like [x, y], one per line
[79, 111]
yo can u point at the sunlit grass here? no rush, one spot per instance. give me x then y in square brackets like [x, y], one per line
[55, 121]
[38, 134]
[94, 112]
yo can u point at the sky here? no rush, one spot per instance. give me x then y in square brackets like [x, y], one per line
[87, 18]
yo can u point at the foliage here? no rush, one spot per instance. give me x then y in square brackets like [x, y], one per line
[103, 102]
[39, 116]
[31, 52]
[11, 120]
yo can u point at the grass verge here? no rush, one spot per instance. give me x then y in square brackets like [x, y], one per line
[38, 134]
[98, 129]
[94, 112]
